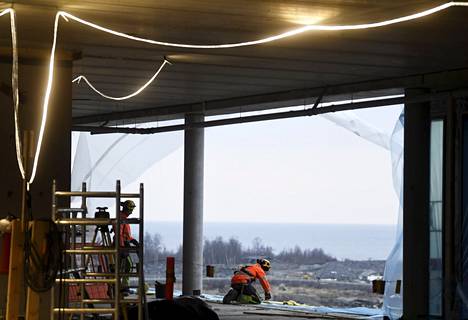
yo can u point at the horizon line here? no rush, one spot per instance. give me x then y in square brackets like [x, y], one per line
[279, 222]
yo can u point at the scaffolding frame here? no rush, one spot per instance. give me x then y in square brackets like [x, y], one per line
[68, 221]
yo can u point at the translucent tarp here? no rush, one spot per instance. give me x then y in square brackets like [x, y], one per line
[393, 142]
[100, 160]
[435, 218]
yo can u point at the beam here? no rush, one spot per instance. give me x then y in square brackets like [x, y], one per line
[285, 98]
[278, 115]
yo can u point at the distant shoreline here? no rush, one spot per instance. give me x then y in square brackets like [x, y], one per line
[342, 241]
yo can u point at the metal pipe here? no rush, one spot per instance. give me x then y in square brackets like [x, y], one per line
[117, 293]
[141, 279]
[52, 293]
[95, 194]
[83, 242]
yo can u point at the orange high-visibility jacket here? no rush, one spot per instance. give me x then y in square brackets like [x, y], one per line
[125, 231]
[249, 274]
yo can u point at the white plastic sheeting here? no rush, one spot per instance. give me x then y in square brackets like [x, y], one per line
[100, 160]
[393, 142]
[435, 218]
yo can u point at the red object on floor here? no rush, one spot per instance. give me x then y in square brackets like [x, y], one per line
[5, 253]
[170, 277]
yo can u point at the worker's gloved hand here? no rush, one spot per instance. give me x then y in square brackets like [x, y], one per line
[134, 242]
[267, 296]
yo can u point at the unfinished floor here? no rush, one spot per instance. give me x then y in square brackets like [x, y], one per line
[246, 312]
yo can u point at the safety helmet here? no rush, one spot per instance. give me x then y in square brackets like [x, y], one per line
[128, 206]
[264, 263]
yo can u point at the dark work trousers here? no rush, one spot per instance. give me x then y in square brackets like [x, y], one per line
[247, 289]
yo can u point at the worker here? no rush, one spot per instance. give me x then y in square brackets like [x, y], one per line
[242, 283]
[125, 239]
[125, 232]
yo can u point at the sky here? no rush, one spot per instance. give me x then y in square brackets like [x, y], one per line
[298, 170]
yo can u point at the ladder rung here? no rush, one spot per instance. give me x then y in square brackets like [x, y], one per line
[132, 249]
[95, 194]
[86, 280]
[95, 221]
[85, 310]
[106, 301]
[69, 271]
[131, 221]
[85, 221]
[107, 274]
[96, 251]
[71, 210]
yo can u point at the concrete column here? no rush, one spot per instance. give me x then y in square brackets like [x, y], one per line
[416, 208]
[193, 207]
[54, 161]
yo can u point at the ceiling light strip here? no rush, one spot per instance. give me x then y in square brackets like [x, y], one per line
[275, 37]
[14, 88]
[81, 77]
[45, 104]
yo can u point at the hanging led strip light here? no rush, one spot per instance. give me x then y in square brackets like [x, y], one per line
[67, 16]
[45, 104]
[287, 34]
[79, 78]
[271, 38]
[14, 88]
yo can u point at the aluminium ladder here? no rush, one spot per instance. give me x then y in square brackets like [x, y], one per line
[77, 252]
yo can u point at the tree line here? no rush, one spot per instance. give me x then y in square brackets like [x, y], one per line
[231, 252]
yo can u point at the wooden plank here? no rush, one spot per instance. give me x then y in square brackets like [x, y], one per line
[15, 273]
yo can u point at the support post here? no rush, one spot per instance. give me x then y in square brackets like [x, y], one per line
[451, 202]
[170, 278]
[193, 208]
[416, 208]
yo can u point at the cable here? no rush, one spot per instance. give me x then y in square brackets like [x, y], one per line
[81, 77]
[40, 271]
[283, 35]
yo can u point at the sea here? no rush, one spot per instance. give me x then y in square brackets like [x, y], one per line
[342, 241]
